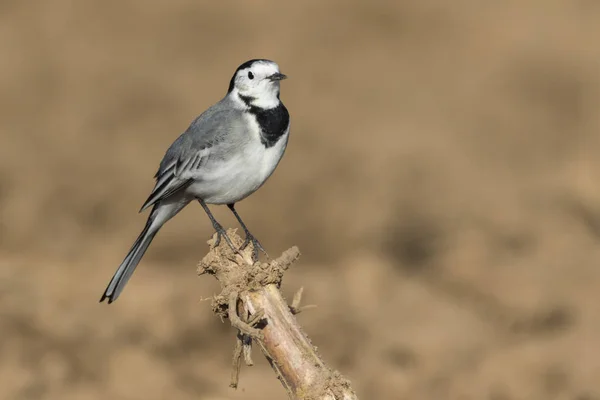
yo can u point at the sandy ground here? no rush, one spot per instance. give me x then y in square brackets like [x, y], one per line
[442, 182]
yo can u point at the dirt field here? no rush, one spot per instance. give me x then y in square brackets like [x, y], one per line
[442, 181]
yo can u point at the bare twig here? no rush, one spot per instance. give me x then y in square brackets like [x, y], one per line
[247, 342]
[295, 307]
[237, 362]
[237, 323]
[250, 298]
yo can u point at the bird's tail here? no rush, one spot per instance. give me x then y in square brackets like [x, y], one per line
[119, 280]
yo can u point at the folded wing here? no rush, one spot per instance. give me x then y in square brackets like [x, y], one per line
[190, 152]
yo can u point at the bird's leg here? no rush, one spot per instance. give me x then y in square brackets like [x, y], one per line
[220, 231]
[249, 237]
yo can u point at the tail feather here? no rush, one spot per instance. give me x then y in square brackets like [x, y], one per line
[125, 270]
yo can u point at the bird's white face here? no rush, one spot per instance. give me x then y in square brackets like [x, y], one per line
[258, 82]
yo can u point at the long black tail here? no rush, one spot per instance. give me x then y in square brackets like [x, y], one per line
[119, 280]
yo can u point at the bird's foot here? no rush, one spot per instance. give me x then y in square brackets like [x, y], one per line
[255, 246]
[221, 233]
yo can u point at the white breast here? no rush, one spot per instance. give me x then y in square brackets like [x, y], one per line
[244, 172]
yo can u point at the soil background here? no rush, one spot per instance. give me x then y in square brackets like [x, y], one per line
[442, 181]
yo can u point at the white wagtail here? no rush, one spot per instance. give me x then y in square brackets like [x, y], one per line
[224, 156]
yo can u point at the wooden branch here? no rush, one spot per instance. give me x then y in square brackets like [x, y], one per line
[251, 300]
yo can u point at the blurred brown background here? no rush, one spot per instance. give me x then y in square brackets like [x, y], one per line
[442, 181]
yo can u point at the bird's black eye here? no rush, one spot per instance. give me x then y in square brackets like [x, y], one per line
[250, 75]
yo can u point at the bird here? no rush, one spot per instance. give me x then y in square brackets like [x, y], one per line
[225, 155]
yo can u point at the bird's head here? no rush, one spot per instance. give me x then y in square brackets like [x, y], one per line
[256, 83]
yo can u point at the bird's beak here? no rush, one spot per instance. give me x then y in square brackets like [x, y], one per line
[277, 77]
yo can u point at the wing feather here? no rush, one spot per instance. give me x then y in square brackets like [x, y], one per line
[190, 152]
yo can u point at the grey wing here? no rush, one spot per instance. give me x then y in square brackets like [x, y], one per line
[203, 139]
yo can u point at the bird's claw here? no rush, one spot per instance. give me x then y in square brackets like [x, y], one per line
[218, 240]
[255, 246]
[221, 233]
